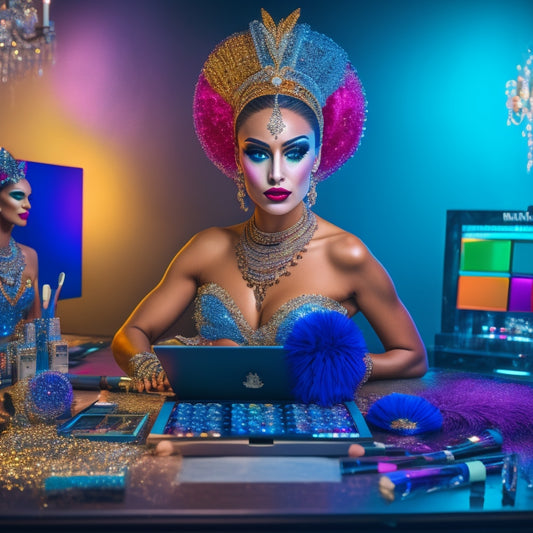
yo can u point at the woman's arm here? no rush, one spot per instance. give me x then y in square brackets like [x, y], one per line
[376, 297]
[166, 302]
[156, 312]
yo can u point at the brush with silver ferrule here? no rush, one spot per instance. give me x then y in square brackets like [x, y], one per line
[404, 483]
[489, 440]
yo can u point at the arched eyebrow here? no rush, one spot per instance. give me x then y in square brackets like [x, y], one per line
[251, 140]
[296, 140]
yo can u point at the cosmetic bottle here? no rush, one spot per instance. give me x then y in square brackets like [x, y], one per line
[57, 347]
[26, 354]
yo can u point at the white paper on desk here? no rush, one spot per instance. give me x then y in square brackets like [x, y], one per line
[259, 470]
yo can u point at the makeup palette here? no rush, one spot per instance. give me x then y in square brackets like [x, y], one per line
[487, 305]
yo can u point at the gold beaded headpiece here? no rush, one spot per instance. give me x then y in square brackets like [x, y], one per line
[284, 59]
[271, 60]
[11, 170]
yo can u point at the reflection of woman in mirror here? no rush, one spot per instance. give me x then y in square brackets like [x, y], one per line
[19, 298]
[277, 109]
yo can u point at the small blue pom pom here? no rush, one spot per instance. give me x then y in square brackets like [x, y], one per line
[325, 351]
[404, 414]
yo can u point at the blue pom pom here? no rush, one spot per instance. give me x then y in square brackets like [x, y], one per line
[404, 414]
[325, 351]
[49, 395]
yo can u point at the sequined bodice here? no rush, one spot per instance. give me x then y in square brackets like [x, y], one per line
[16, 292]
[10, 315]
[218, 317]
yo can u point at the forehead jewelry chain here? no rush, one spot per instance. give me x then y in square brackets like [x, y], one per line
[263, 258]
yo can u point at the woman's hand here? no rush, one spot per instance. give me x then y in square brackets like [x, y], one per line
[155, 384]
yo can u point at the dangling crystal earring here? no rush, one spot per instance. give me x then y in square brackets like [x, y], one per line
[311, 193]
[241, 191]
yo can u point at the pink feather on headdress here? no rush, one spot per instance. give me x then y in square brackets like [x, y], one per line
[344, 119]
[213, 120]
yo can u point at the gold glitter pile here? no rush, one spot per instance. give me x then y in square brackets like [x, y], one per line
[29, 453]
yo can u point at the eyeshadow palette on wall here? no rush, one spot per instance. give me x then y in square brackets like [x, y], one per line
[487, 304]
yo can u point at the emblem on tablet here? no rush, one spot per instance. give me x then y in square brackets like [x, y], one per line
[253, 381]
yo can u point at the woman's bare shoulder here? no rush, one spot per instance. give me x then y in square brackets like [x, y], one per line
[344, 248]
[215, 236]
[29, 253]
[211, 242]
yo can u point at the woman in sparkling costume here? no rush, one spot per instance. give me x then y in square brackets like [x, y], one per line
[18, 263]
[277, 108]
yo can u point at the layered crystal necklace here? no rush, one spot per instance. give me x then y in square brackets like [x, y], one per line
[263, 258]
[11, 267]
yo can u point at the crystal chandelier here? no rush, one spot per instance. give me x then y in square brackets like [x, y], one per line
[520, 103]
[26, 44]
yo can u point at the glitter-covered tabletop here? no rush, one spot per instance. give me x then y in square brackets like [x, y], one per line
[163, 492]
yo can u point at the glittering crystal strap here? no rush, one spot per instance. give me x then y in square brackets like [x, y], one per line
[145, 365]
[369, 367]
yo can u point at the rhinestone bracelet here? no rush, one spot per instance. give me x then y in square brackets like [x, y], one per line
[145, 365]
[369, 367]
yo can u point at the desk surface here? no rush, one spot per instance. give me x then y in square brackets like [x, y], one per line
[156, 498]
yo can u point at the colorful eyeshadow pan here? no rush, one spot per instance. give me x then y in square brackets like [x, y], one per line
[486, 255]
[521, 297]
[489, 293]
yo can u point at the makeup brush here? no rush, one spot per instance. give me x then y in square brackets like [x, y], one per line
[489, 440]
[404, 483]
[47, 292]
[60, 282]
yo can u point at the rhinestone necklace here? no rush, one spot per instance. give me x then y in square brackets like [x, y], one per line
[263, 258]
[11, 263]
[11, 267]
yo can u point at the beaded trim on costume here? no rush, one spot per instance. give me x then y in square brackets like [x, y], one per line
[211, 322]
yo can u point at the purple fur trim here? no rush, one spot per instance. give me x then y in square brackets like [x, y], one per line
[471, 404]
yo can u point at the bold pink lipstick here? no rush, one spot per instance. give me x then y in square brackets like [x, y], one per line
[25, 215]
[277, 194]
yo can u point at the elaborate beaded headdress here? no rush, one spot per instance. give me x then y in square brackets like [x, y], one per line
[288, 59]
[11, 170]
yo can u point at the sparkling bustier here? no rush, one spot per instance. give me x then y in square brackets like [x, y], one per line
[11, 315]
[218, 317]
